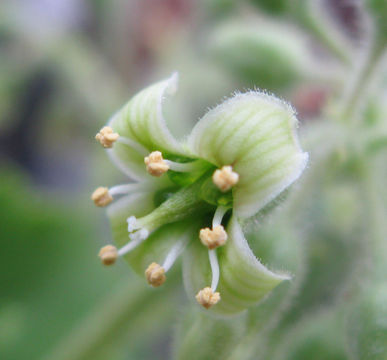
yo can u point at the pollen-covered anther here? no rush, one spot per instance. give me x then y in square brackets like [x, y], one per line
[213, 238]
[108, 255]
[225, 178]
[207, 297]
[155, 164]
[101, 197]
[107, 137]
[155, 275]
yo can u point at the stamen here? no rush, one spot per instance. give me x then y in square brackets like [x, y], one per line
[125, 189]
[134, 145]
[136, 239]
[225, 178]
[183, 167]
[206, 297]
[155, 164]
[101, 197]
[218, 216]
[108, 254]
[175, 252]
[214, 268]
[213, 238]
[217, 236]
[155, 275]
[107, 137]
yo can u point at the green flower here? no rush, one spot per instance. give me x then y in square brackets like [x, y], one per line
[191, 197]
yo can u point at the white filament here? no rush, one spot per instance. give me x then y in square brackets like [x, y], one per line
[134, 145]
[214, 268]
[182, 167]
[173, 254]
[132, 244]
[218, 216]
[124, 189]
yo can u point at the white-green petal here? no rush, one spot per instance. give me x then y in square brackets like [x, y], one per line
[256, 134]
[244, 280]
[141, 121]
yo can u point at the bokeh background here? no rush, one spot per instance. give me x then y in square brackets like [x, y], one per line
[65, 67]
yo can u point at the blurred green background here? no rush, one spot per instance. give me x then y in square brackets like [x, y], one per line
[65, 67]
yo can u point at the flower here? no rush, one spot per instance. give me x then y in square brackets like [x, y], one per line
[190, 197]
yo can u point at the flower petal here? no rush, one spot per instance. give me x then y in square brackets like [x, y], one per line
[244, 280]
[256, 134]
[142, 122]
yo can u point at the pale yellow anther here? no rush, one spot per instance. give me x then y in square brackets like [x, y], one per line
[206, 297]
[213, 238]
[155, 164]
[101, 196]
[108, 254]
[155, 275]
[107, 137]
[225, 178]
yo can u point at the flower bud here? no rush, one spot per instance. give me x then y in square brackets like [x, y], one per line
[269, 56]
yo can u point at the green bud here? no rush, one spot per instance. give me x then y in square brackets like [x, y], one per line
[268, 56]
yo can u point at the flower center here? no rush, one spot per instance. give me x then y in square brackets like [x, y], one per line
[200, 190]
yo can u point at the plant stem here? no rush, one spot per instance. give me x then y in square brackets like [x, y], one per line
[321, 34]
[352, 100]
